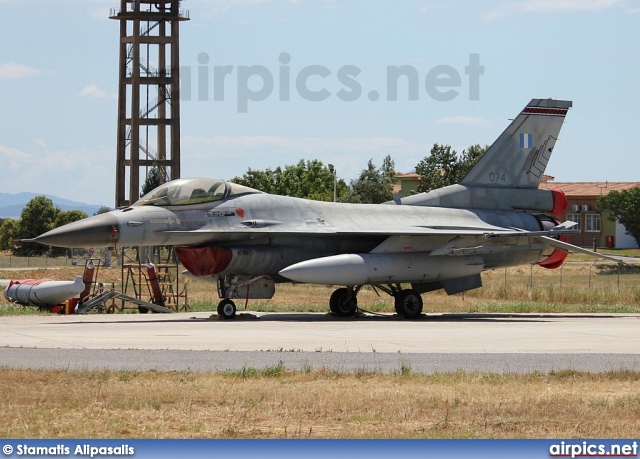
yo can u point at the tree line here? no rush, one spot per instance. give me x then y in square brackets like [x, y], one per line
[313, 180]
[38, 216]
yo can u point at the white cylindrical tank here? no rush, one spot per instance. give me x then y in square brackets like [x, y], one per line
[369, 268]
[42, 292]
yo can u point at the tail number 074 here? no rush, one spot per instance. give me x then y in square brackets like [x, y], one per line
[497, 177]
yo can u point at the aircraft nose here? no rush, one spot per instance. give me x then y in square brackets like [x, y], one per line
[98, 231]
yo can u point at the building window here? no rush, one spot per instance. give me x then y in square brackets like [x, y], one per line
[592, 223]
[575, 218]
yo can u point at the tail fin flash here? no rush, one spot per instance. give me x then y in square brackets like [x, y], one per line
[518, 158]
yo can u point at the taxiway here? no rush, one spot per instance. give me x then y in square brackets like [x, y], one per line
[518, 343]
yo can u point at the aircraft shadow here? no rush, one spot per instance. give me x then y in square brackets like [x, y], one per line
[364, 317]
[445, 317]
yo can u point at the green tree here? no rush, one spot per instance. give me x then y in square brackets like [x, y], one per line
[310, 179]
[438, 169]
[470, 157]
[306, 179]
[388, 168]
[8, 232]
[624, 207]
[69, 216]
[37, 217]
[154, 180]
[103, 210]
[373, 186]
[260, 180]
[444, 167]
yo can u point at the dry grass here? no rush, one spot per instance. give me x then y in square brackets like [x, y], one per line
[280, 404]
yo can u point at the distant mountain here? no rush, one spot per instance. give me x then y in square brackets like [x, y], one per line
[11, 205]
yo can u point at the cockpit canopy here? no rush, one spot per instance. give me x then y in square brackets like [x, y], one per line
[182, 192]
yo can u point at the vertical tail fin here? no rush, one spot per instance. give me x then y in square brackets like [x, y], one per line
[518, 158]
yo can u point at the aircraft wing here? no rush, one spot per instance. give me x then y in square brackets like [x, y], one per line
[239, 233]
[452, 240]
[417, 234]
[465, 245]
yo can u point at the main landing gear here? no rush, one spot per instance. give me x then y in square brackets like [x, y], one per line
[344, 302]
[408, 302]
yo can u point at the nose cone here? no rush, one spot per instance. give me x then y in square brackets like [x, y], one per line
[98, 231]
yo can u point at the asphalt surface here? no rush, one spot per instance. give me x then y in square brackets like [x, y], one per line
[199, 342]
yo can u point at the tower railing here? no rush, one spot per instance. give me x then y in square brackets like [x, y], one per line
[115, 12]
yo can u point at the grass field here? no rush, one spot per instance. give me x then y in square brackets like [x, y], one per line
[275, 403]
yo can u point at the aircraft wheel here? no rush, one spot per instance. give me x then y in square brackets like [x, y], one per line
[142, 310]
[226, 309]
[408, 304]
[343, 303]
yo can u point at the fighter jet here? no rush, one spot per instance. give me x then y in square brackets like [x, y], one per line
[247, 241]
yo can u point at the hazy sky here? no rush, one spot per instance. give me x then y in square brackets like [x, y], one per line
[321, 69]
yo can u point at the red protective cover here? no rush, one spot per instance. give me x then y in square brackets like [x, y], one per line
[27, 281]
[557, 257]
[560, 202]
[204, 261]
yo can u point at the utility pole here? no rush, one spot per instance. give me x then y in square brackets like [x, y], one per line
[334, 172]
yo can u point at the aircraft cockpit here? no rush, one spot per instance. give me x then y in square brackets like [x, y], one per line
[183, 192]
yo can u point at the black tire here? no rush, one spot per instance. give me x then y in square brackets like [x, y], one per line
[409, 304]
[142, 310]
[343, 303]
[227, 309]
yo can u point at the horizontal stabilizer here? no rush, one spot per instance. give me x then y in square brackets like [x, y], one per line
[567, 227]
[570, 248]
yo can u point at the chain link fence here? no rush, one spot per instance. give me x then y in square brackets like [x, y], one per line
[72, 258]
[574, 282]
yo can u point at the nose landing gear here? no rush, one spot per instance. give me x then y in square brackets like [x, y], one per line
[227, 309]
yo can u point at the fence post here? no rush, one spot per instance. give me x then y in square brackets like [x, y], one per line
[590, 268]
[531, 277]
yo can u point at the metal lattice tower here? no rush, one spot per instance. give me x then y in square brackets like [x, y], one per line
[149, 94]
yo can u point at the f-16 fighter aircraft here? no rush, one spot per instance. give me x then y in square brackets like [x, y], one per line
[246, 241]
